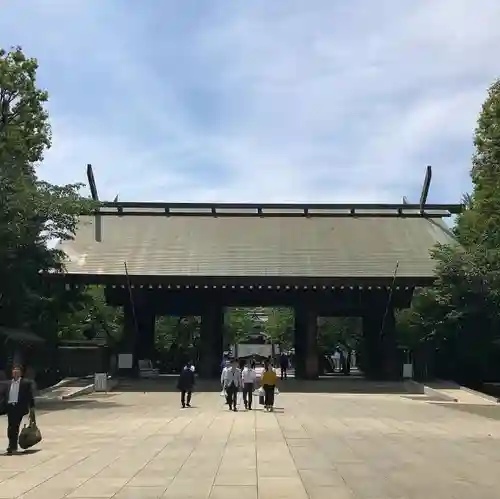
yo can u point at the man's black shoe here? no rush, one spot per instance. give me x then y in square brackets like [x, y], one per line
[188, 405]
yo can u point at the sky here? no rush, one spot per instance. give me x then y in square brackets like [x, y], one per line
[237, 101]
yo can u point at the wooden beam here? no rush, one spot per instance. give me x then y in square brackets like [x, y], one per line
[251, 209]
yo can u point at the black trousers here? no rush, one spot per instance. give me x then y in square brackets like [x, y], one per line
[185, 400]
[232, 393]
[248, 394]
[268, 395]
[283, 372]
[15, 415]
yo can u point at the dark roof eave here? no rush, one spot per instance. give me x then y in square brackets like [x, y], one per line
[337, 281]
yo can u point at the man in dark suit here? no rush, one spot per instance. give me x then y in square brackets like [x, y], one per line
[186, 384]
[17, 399]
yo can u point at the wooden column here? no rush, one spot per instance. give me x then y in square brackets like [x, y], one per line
[211, 341]
[391, 365]
[380, 349]
[128, 339]
[306, 343]
[145, 341]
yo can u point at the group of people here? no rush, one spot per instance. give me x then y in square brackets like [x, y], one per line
[16, 400]
[342, 360]
[236, 377]
[240, 376]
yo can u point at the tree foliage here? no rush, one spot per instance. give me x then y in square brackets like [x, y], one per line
[279, 325]
[34, 212]
[240, 323]
[88, 317]
[335, 331]
[459, 316]
[177, 332]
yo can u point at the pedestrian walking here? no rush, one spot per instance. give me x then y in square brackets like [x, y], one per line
[336, 360]
[269, 380]
[231, 382]
[248, 377]
[226, 364]
[284, 365]
[186, 383]
[17, 400]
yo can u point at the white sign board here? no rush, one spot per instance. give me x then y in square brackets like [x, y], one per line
[407, 371]
[247, 350]
[125, 361]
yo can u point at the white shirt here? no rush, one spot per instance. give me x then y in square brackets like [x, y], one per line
[223, 374]
[14, 391]
[248, 375]
[230, 376]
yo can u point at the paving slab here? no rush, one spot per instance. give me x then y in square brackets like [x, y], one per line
[362, 445]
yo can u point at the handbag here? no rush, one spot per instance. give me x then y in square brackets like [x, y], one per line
[30, 435]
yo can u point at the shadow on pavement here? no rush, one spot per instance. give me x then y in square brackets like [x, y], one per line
[163, 384]
[486, 411]
[21, 453]
[83, 403]
[345, 384]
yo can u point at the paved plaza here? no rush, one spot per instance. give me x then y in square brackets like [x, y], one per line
[133, 445]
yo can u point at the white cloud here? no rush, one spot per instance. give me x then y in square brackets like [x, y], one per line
[330, 101]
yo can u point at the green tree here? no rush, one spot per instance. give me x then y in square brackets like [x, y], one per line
[33, 212]
[240, 323]
[460, 315]
[279, 326]
[334, 331]
[89, 316]
[183, 332]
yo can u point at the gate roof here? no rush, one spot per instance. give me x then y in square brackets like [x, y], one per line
[256, 242]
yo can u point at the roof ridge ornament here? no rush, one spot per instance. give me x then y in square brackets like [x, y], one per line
[425, 188]
[95, 197]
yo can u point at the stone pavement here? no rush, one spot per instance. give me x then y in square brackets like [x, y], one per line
[133, 445]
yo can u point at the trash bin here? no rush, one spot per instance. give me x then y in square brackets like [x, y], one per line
[101, 382]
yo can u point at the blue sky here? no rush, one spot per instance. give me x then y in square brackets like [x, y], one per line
[290, 101]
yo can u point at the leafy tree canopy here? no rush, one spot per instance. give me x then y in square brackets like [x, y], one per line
[33, 212]
[460, 314]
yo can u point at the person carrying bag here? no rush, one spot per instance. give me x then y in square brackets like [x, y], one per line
[18, 400]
